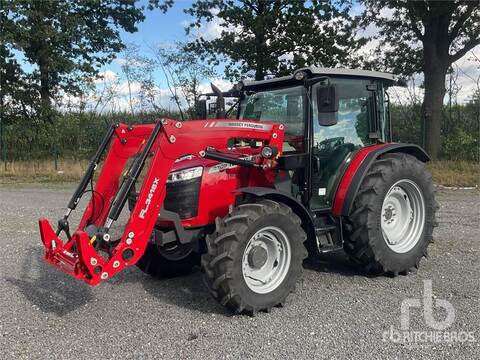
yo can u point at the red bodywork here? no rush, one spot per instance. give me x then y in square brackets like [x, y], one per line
[78, 256]
[219, 181]
[347, 177]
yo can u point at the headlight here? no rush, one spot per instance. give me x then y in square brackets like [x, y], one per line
[186, 174]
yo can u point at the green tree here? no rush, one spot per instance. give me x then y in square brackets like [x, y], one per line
[66, 41]
[426, 36]
[271, 37]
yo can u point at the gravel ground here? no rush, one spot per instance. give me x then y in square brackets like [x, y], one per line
[335, 312]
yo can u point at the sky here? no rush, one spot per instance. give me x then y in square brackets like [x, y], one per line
[156, 30]
[159, 29]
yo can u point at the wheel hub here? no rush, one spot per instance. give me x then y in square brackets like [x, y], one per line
[389, 214]
[266, 260]
[257, 257]
[403, 216]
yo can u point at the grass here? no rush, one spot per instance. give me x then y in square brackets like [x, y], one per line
[42, 171]
[455, 173]
[447, 173]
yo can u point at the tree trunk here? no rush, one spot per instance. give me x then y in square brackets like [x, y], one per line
[436, 63]
[45, 97]
[44, 86]
[432, 110]
[260, 42]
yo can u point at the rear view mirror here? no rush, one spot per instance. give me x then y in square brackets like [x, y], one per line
[327, 104]
[201, 109]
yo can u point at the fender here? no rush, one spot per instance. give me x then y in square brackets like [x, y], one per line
[358, 168]
[287, 199]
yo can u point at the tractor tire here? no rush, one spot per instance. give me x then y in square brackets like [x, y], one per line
[255, 256]
[393, 215]
[165, 263]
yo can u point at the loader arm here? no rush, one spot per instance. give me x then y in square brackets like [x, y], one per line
[165, 141]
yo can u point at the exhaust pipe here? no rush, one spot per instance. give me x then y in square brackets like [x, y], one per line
[220, 102]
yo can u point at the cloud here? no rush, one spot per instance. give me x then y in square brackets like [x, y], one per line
[132, 62]
[212, 29]
[120, 61]
[222, 84]
[107, 75]
[466, 70]
[124, 88]
[286, 57]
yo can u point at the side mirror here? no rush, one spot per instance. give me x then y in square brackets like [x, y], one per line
[201, 109]
[327, 104]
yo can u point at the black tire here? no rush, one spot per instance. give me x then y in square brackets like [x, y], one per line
[226, 246]
[155, 264]
[364, 240]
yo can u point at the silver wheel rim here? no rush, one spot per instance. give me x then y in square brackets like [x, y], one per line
[403, 216]
[266, 260]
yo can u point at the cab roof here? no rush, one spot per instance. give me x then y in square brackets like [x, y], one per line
[317, 71]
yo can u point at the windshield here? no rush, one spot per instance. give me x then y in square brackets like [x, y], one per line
[285, 106]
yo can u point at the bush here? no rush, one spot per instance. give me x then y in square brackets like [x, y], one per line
[70, 135]
[77, 135]
[460, 129]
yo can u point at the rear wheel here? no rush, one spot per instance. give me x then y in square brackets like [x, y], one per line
[393, 215]
[170, 261]
[255, 256]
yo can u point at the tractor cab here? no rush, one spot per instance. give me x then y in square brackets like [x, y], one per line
[328, 114]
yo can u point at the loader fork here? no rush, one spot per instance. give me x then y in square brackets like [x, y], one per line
[89, 253]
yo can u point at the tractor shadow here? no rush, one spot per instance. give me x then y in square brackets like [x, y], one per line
[41, 285]
[186, 291]
[335, 262]
[190, 292]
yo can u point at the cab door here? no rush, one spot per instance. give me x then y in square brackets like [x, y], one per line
[333, 145]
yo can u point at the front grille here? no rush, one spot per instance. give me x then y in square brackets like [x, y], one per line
[182, 197]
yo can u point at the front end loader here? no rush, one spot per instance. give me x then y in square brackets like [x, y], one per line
[90, 254]
[306, 167]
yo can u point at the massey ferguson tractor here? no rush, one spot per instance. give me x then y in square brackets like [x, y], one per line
[305, 167]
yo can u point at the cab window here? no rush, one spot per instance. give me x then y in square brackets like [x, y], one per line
[284, 106]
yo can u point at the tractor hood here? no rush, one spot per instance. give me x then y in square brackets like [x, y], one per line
[189, 161]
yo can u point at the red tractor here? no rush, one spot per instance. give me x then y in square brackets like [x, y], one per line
[307, 164]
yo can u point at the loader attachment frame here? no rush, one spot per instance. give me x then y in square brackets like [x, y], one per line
[89, 253]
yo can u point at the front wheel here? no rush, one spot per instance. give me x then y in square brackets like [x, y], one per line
[255, 256]
[393, 215]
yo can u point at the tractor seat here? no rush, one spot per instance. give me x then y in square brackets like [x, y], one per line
[337, 157]
[335, 161]
[329, 173]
